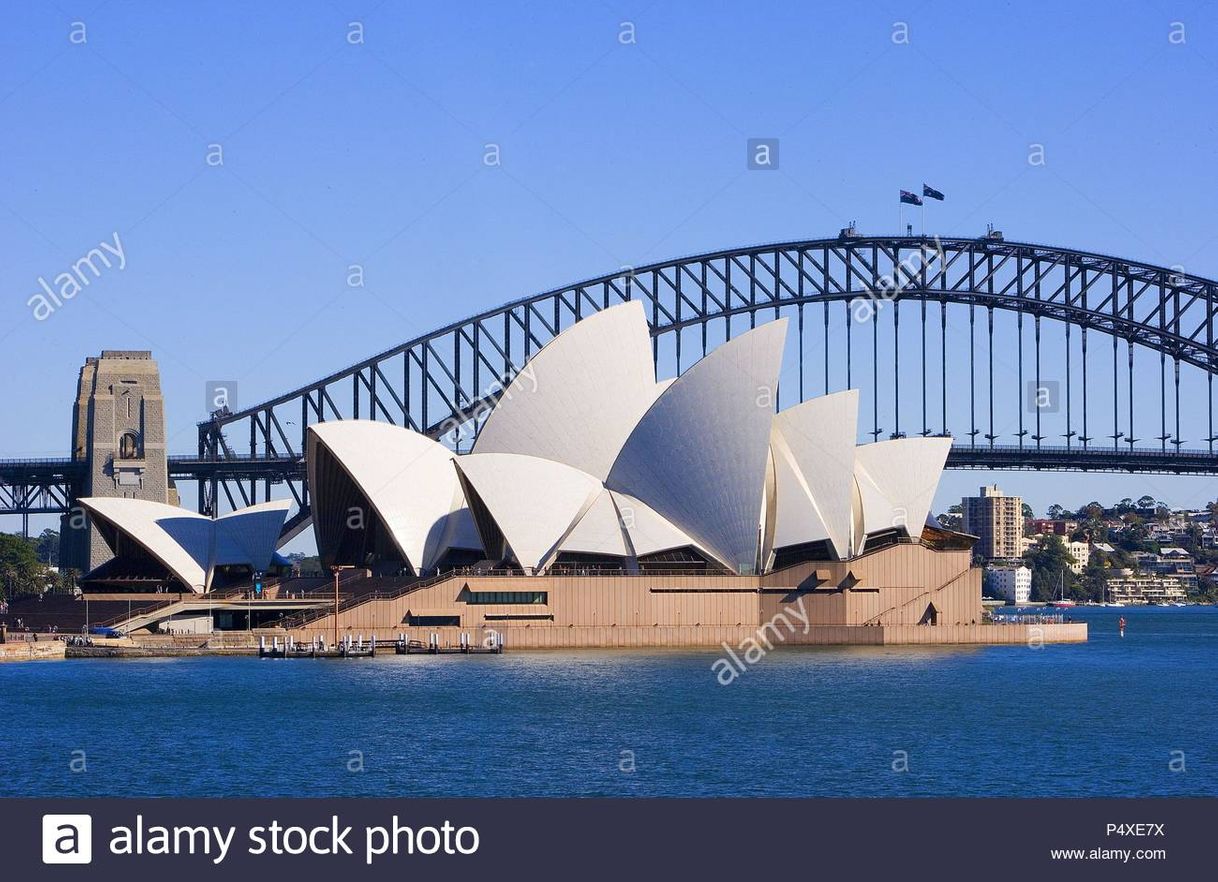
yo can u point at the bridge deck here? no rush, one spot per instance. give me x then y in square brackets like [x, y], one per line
[45, 486]
[439, 381]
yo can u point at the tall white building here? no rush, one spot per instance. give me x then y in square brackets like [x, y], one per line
[1014, 584]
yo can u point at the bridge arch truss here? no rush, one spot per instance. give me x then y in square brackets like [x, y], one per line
[843, 294]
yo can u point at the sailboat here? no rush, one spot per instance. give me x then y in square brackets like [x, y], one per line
[1061, 587]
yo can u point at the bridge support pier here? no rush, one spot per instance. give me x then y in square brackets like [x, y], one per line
[118, 433]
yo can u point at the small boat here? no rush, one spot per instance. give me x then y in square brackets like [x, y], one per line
[1062, 603]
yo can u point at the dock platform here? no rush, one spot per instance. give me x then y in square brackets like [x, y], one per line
[356, 647]
[464, 646]
[348, 648]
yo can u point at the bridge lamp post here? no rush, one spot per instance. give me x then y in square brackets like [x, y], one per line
[249, 603]
[336, 569]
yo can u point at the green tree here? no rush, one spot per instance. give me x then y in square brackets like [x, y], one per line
[310, 565]
[68, 579]
[1134, 535]
[20, 571]
[1100, 567]
[952, 519]
[1050, 565]
[47, 547]
[1027, 511]
[1094, 581]
[1192, 537]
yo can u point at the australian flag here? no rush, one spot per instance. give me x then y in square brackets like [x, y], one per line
[910, 198]
[931, 193]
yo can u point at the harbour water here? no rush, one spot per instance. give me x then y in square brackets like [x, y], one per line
[1132, 716]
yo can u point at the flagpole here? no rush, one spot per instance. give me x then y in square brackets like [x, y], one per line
[923, 217]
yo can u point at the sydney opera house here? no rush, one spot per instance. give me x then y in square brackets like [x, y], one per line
[596, 497]
[601, 507]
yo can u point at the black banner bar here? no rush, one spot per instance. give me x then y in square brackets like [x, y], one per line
[136, 839]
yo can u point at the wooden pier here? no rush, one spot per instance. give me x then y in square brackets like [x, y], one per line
[356, 647]
[494, 646]
[348, 648]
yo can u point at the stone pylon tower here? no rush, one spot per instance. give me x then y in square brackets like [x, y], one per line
[118, 430]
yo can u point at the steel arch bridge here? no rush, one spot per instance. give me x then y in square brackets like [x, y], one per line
[837, 292]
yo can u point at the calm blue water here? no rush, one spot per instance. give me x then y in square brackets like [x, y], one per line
[1096, 719]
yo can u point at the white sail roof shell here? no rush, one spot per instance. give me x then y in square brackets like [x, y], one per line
[578, 398]
[535, 502]
[409, 480]
[249, 535]
[698, 456]
[599, 531]
[178, 538]
[814, 456]
[191, 545]
[897, 481]
[647, 531]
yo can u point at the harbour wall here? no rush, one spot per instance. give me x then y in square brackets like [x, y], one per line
[700, 636]
[28, 650]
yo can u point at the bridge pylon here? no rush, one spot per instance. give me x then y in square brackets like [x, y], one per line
[118, 435]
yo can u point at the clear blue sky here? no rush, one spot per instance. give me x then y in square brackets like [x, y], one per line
[612, 154]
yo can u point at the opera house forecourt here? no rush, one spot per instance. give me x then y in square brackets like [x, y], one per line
[599, 507]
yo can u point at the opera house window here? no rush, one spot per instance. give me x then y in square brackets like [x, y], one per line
[510, 597]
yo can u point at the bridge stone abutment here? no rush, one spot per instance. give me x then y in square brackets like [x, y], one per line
[118, 432]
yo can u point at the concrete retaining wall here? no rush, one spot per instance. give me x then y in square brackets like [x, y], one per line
[679, 636]
[25, 650]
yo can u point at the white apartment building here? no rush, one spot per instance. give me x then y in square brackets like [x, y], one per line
[1014, 584]
[1138, 588]
[1081, 552]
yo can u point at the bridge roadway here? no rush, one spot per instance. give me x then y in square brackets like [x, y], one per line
[47, 486]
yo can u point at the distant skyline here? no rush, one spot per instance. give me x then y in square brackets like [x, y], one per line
[245, 159]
